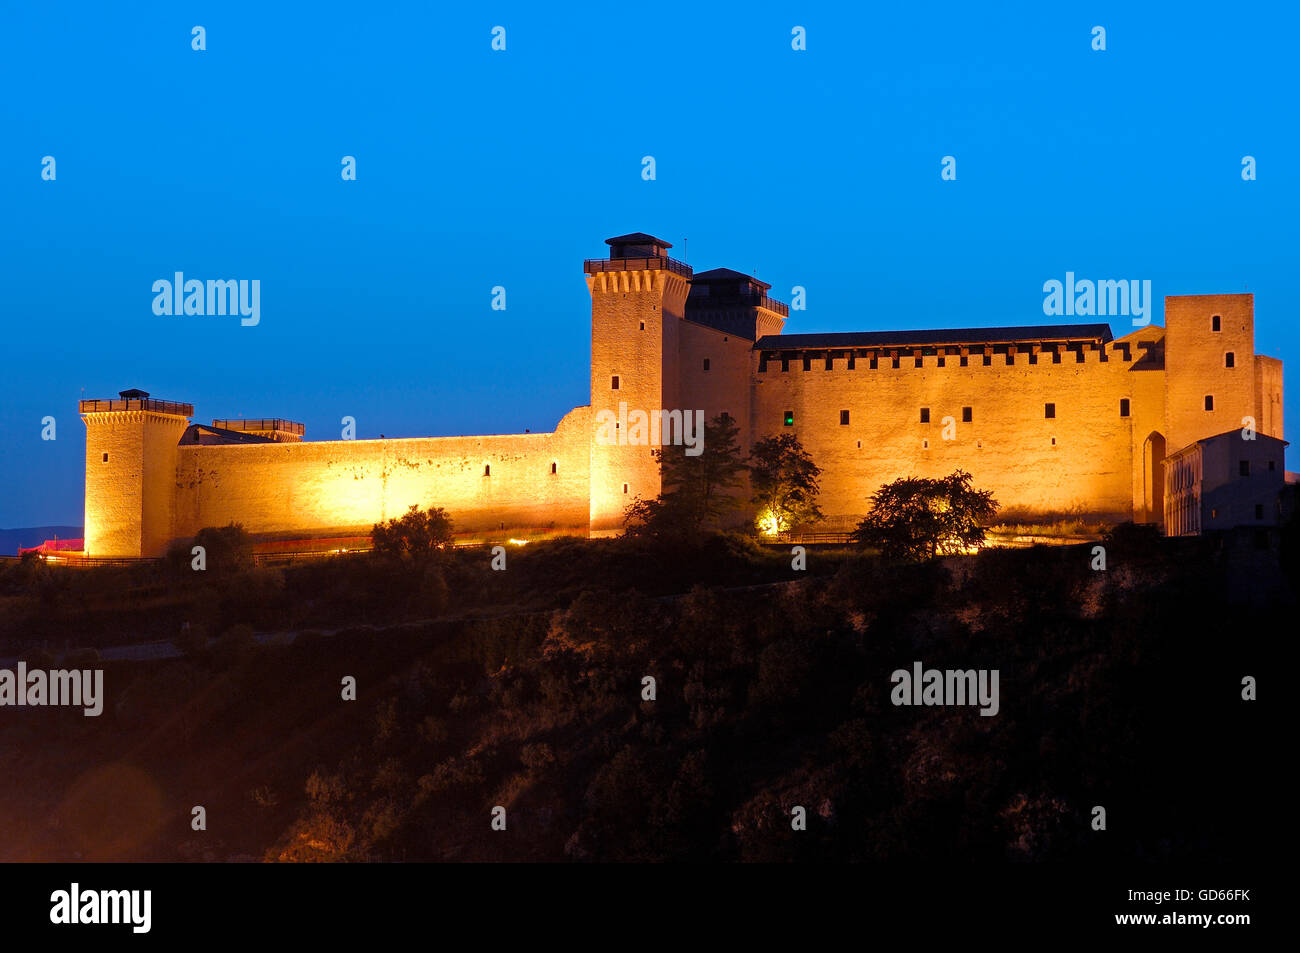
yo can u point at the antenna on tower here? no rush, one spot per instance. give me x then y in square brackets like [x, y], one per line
[686, 252]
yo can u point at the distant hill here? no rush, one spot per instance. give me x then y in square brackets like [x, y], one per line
[12, 539]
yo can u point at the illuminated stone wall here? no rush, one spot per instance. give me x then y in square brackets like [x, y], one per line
[1080, 462]
[343, 487]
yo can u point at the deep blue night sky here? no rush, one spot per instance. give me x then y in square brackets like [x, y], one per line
[475, 168]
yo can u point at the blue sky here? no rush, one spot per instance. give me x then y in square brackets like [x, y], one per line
[478, 168]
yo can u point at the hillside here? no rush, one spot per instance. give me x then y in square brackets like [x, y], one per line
[523, 689]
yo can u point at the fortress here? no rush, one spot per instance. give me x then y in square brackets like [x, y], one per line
[1056, 420]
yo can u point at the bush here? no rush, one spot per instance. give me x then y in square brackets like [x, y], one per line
[916, 518]
[226, 549]
[416, 537]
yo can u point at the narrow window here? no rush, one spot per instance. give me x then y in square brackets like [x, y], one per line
[624, 487]
[552, 466]
[807, 363]
[1243, 467]
[613, 382]
[1216, 323]
[642, 325]
[918, 361]
[1230, 359]
[844, 418]
[106, 458]
[830, 362]
[925, 415]
[1272, 465]
[895, 360]
[965, 415]
[965, 361]
[1049, 411]
[1259, 511]
[1123, 406]
[988, 360]
[1053, 441]
[1209, 401]
[789, 418]
[706, 363]
[1056, 355]
[853, 362]
[487, 469]
[939, 362]
[925, 444]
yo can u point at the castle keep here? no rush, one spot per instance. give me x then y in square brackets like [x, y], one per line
[1056, 420]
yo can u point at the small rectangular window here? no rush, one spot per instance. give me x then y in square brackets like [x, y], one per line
[613, 382]
[552, 467]
[925, 415]
[642, 325]
[918, 361]
[106, 458]
[487, 469]
[965, 415]
[1209, 401]
[1216, 323]
[988, 360]
[807, 363]
[1230, 359]
[830, 362]
[1259, 511]
[1123, 406]
[896, 361]
[1272, 465]
[1243, 467]
[789, 418]
[624, 487]
[1049, 411]
[939, 362]
[1056, 355]
[706, 363]
[965, 361]
[844, 418]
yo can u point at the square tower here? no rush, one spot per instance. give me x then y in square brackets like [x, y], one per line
[638, 297]
[1209, 366]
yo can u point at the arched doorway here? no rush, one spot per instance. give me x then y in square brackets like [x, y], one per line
[1153, 478]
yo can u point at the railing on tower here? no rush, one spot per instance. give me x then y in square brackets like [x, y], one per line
[136, 403]
[594, 266]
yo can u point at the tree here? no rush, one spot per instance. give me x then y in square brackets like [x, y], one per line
[915, 518]
[784, 479]
[226, 549]
[696, 490]
[414, 538]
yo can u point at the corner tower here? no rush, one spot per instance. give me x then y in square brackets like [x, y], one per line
[131, 472]
[638, 298]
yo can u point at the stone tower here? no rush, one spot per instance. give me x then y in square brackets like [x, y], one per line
[638, 298]
[1214, 380]
[131, 473]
